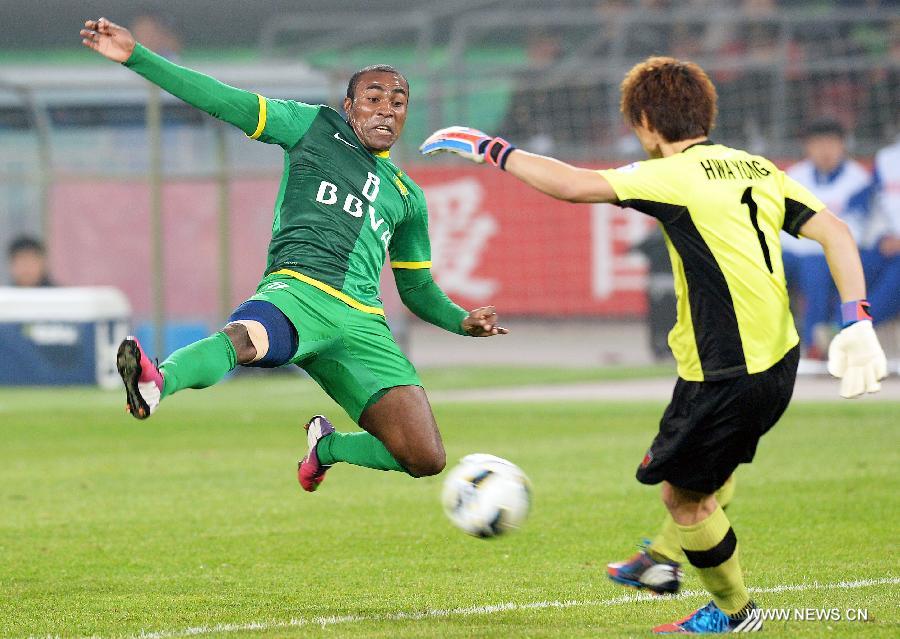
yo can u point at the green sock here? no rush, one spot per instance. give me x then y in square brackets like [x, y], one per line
[666, 545]
[711, 547]
[359, 449]
[198, 365]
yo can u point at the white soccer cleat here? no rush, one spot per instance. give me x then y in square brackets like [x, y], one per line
[643, 571]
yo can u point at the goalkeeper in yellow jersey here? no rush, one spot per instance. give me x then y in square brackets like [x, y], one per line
[721, 210]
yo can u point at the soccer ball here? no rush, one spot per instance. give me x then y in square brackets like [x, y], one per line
[486, 496]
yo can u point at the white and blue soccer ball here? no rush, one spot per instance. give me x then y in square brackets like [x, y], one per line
[486, 496]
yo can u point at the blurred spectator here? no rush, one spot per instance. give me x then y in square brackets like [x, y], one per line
[158, 34]
[759, 8]
[531, 119]
[883, 86]
[688, 40]
[751, 55]
[745, 95]
[835, 179]
[882, 261]
[553, 108]
[28, 262]
[652, 37]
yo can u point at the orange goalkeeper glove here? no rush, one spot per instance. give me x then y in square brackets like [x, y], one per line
[469, 143]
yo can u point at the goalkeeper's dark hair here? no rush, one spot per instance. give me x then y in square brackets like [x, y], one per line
[385, 68]
[677, 98]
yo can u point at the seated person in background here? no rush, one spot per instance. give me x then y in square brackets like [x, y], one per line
[834, 178]
[28, 262]
[881, 261]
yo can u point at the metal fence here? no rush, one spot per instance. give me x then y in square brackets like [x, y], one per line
[553, 73]
[546, 78]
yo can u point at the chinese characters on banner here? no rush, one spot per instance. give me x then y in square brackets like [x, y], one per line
[495, 240]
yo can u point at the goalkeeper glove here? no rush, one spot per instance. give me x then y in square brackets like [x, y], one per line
[855, 356]
[469, 143]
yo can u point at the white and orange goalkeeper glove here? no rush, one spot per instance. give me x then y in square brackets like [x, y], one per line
[855, 356]
[468, 143]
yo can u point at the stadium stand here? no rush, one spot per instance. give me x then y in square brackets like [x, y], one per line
[499, 66]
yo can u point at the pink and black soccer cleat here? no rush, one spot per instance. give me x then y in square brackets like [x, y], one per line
[310, 472]
[142, 379]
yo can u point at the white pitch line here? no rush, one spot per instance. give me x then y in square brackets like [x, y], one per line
[325, 621]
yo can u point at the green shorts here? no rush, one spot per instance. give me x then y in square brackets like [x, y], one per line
[351, 354]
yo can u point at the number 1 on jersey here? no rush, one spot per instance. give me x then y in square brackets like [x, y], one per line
[747, 198]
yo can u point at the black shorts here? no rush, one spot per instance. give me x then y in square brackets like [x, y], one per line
[711, 427]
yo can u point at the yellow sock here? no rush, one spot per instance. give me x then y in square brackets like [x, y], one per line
[711, 547]
[666, 546]
[726, 493]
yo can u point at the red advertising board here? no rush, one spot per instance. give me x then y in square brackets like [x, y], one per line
[493, 241]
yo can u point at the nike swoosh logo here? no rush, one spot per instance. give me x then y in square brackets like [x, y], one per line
[337, 136]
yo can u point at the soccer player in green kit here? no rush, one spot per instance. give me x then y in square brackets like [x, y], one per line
[342, 206]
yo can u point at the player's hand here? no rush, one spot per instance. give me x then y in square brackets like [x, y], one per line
[482, 322]
[468, 143]
[108, 39]
[856, 357]
[461, 140]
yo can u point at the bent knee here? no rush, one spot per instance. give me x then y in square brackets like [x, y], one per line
[263, 336]
[427, 464]
[244, 349]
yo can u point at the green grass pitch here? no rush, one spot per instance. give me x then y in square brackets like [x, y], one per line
[192, 523]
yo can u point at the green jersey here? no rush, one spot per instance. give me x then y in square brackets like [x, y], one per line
[340, 208]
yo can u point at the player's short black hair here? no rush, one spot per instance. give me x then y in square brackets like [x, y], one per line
[386, 68]
[825, 126]
[25, 243]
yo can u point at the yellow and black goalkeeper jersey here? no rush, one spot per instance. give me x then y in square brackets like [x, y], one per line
[721, 210]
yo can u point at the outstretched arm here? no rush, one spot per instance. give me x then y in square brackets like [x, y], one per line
[421, 295]
[548, 175]
[235, 106]
[558, 179]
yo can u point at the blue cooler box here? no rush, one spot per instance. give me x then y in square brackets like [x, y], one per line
[55, 336]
